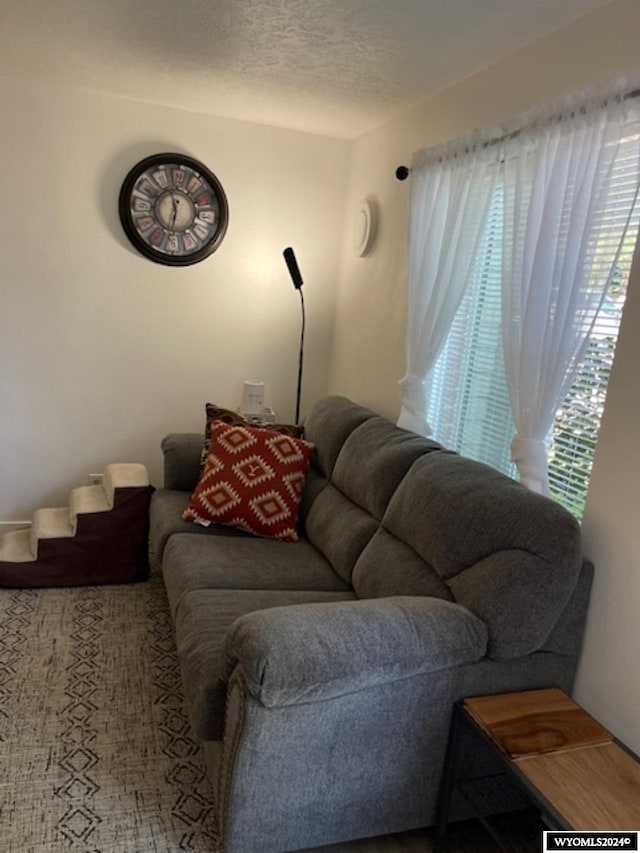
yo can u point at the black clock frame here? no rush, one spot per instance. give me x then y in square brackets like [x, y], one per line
[127, 220]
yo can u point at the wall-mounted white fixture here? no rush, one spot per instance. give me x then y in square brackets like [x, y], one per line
[365, 226]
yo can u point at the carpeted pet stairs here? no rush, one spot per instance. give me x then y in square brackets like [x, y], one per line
[101, 537]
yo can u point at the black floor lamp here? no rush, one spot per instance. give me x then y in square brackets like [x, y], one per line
[296, 278]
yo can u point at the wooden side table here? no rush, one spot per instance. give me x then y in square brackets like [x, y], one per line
[568, 765]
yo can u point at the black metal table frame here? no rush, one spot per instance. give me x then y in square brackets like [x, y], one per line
[452, 781]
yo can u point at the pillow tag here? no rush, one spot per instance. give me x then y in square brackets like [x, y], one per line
[202, 522]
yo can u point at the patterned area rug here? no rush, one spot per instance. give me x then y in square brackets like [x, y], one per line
[96, 751]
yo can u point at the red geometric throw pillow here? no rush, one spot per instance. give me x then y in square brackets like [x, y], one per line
[253, 479]
[217, 413]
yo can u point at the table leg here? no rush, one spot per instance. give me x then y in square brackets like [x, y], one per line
[448, 781]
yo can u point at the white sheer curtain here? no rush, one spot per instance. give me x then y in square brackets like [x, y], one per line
[560, 253]
[452, 187]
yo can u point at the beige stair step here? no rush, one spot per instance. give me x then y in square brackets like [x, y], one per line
[85, 499]
[123, 475]
[15, 546]
[50, 523]
[21, 546]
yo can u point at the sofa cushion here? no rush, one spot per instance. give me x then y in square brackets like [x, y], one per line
[388, 566]
[374, 459]
[339, 529]
[167, 507]
[342, 517]
[329, 423]
[253, 479]
[201, 626]
[194, 563]
[510, 556]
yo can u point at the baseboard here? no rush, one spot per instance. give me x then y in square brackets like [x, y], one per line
[6, 526]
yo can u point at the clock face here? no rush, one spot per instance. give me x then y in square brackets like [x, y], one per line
[173, 209]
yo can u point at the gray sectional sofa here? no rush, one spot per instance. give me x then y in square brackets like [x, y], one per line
[320, 675]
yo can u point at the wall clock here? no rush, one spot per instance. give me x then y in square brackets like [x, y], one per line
[173, 209]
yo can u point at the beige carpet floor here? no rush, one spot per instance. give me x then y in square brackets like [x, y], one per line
[96, 752]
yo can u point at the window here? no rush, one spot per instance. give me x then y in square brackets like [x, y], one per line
[575, 431]
[468, 398]
[469, 409]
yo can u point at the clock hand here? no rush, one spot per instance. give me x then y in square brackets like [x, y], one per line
[174, 202]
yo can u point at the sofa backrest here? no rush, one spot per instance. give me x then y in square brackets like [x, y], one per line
[396, 514]
[360, 460]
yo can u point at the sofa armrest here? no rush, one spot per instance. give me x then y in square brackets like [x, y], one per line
[182, 460]
[312, 652]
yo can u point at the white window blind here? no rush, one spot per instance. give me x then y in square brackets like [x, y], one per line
[575, 431]
[468, 399]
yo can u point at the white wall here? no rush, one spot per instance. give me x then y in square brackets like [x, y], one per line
[609, 675]
[368, 354]
[102, 351]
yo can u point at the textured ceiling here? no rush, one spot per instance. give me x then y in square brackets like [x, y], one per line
[338, 67]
